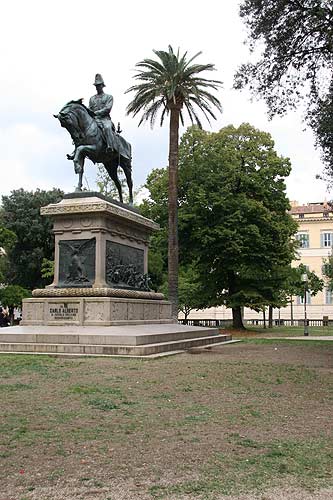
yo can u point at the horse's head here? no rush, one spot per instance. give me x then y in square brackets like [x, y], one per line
[76, 118]
[68, 116]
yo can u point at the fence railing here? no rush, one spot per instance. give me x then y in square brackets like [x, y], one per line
[289, 322]
[221, 323]
[224, 323]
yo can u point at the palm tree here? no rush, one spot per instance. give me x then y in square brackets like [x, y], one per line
[169, 85]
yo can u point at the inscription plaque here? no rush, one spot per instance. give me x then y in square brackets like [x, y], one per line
[64, 312]
[77, 263]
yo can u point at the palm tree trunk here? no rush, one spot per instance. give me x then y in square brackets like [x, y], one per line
[173, 210]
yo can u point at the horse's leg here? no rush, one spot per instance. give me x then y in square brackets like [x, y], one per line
[112, 170]
[78, 168]
[80, 154]
[125, 164]
[79, 186]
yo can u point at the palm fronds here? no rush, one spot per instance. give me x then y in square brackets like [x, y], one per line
[172, 80]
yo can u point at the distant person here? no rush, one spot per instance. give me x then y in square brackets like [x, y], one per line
[3, 317]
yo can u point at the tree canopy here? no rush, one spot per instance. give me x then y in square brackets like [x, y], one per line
[233, 220]
[294, 40]
[7, 242]
[35, 241]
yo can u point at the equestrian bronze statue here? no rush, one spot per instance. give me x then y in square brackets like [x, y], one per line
[96, 138]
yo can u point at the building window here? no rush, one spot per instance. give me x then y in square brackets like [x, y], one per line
[328, 296]
[326, 214]
[326, 239]
[301, 216]
[303, 239]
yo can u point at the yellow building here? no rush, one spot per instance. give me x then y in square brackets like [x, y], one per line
[315, 235]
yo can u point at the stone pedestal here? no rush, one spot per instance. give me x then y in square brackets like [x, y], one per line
[103, 233]
[101, 265]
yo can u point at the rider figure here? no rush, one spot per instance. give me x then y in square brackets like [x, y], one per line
[101, 105]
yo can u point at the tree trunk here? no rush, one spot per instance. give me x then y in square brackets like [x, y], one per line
[270, 316]
[186, 312]
[291, 311]
[173, 210]
[264, 316]
[237, 320]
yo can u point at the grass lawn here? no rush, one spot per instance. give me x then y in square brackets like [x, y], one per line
[285, 331]
[246, 419]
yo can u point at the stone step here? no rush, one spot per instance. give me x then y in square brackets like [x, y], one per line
[79, 348]
[104, 336]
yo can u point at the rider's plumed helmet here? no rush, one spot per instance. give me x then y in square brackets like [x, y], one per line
[99, 80]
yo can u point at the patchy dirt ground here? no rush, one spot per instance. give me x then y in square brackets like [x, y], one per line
[245, 421]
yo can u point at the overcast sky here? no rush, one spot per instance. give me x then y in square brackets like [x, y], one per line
[50, 53]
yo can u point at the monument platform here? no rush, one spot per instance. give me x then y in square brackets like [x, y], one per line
[100, 302]
[129, 340]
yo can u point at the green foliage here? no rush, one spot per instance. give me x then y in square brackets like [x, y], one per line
[156, 264]
[321, 119]
[11, 296]
[156, 208]
[296, 62]
[233, 220]
[21, 214]
[234, 214]
[107, 187]
[105, 184]
[47, 269]
[328, 272]
[189, 288]
[171, 81]
[7, 242]
[295, 286]
[7, 239]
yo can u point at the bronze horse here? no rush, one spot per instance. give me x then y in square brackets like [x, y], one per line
[89, 142]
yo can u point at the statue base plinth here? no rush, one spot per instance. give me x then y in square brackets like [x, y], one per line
[95, 311]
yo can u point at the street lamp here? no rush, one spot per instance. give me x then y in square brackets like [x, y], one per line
[305, 281]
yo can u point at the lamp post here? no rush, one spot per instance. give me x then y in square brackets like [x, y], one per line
[305, 281]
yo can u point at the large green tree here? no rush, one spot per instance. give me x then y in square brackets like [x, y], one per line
[7, 242]
[171, 84]
[233, 220]
[11, 296]
[235, 215]
[35, 241]
[292, 47]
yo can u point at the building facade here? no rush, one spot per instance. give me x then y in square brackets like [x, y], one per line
[315, 235]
